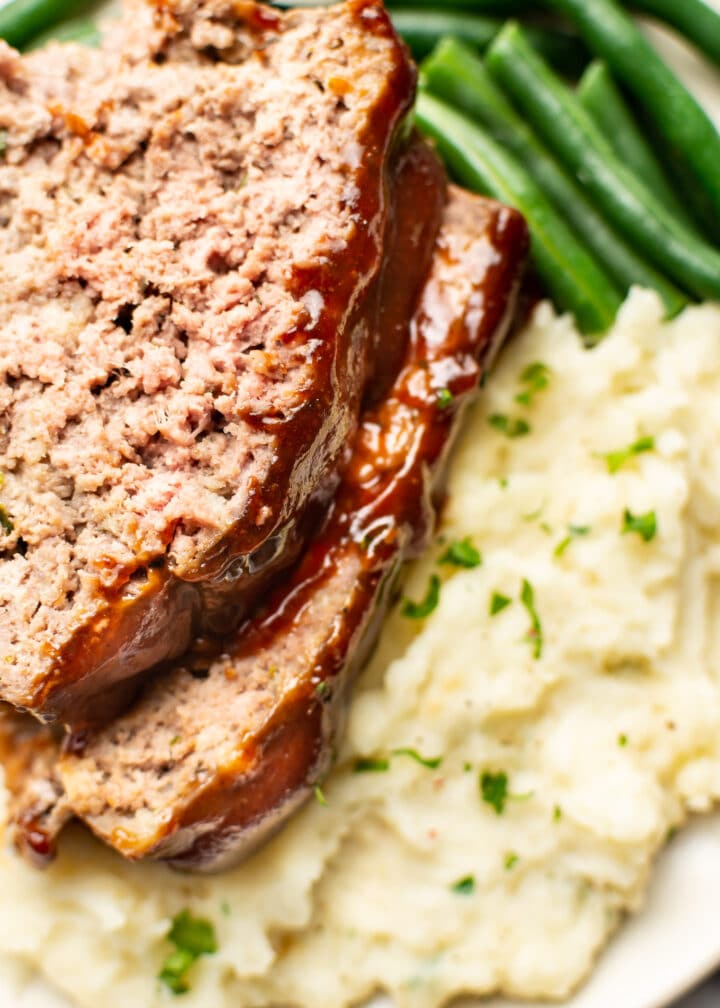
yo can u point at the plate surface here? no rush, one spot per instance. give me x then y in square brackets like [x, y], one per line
[674, 943]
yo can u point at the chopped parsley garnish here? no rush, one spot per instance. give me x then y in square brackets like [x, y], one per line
[535, 378]
[444, 398]
[532, 516]
[5, 523]
[192, 937]
[464, 886]
[467, 767]
[494, 789]
[420, 610]
[622, 740]
[504, 482]
[320, 797]
[644, 525]
[574, 532]
[499, 602]
[322, 690]
[3, 141]
[557, 814]
[617, 459]
[368, 764]
[372, 764]
[226, 908]
[535, 634]
[511, 859]
[512, 428]
[462, 554]
[430, 763]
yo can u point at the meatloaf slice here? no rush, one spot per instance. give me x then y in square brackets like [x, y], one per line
[192, 228]
[210, 761]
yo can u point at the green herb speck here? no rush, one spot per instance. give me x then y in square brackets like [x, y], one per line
[464, 886]
[622, 740]
[320, 797]
[494, 789]
[617, 459]
[5, 523]
[444, 398]
[420, 610]
[511, 859]
[512, 428]
[643, 525]
[430, 763]
[535, 634]
[534, 378]
[498, 602]
[557, 814]
[192, 937]
[462, 554]
[574, 532]
[369, 764]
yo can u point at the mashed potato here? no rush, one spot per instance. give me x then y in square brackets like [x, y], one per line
[576, 726]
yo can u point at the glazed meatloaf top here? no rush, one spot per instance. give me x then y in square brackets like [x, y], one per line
[192, 220]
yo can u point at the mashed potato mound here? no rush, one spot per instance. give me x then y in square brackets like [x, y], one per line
[576, 726]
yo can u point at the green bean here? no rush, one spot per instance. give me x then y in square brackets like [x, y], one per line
[573, 278]
[555, 112]
[22, 20]
[696, 20]
[611, 33]
[423, 29]
[602, 99]
[494, 8]
[454, 74]
[84, 31]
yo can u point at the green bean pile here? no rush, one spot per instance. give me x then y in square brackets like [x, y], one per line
[565, 112]
[618, 155]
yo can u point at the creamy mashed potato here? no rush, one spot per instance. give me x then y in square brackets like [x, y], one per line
[576, 726]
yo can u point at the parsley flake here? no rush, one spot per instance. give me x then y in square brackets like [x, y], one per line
[535, 378]
[320, 797]
[430, 763]
[644, 525]
[494, 789]
[369, 764]
[462, 554]
[420, 610]
[622, 740]
[557, 814]
[322, 690]
[574, 532]
[512, 428]
[444, 398]
[499, 602]
[535, 634]
[464, 886]
[617, 459]
[5, 522]
[511, 859]
[192, 937]
[3, 141]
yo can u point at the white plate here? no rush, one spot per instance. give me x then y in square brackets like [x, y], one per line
[674, 943]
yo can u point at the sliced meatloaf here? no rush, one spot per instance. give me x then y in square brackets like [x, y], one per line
[193, 225]
[212, 759]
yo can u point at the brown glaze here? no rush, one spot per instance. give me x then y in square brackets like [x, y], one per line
[28, 754]
[382, 515]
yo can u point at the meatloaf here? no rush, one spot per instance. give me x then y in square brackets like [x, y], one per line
[194, 225]
[214, 757]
